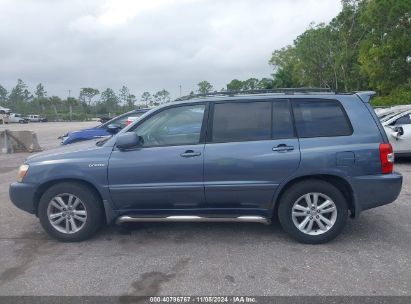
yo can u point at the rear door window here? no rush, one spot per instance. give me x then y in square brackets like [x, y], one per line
[241, 121]
[320, 118]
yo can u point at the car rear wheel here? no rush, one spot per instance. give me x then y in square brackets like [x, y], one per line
[313, 211]
[70, 212]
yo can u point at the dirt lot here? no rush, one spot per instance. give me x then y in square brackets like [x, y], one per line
[371, 257]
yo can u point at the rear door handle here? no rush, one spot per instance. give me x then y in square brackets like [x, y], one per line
[283, 148]
[190, 153]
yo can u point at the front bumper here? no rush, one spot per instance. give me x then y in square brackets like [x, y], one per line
[23, 196]
[375, 190]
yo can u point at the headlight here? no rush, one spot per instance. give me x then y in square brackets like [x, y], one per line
[22, 172]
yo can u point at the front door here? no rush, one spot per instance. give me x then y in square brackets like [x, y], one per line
[166, 171]
[251, 148]
[401, 143]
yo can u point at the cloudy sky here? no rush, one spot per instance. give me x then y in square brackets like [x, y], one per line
[147, 44]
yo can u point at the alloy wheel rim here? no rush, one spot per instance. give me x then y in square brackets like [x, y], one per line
[67, 213]
[314, 213]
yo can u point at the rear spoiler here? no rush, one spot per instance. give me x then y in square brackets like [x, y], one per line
[366, 96]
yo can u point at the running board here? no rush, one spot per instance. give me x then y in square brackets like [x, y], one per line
[192, 218]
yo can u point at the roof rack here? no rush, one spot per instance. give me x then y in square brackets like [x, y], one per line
[252, 92]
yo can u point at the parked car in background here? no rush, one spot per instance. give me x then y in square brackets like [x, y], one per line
[104, 119]
[17, 118]
[388, 111]
[131, 119]
[36, 118]
[4, 114]
[307, 159]
[4, 110]
[111, 127]
[397, 125]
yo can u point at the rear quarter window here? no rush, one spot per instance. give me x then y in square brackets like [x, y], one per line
[320, 118]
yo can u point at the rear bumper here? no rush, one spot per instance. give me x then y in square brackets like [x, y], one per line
[22, 195]
[375, 190]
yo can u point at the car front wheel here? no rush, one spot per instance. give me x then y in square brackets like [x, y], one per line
[313, 211]
[70, 212]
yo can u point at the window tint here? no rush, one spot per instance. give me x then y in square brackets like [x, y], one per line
[317, 118]
[404, 120]
[282, 122]
[244, 121]
[171, 127]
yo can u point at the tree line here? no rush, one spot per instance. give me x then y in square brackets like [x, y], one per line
[367, 46]
[90, 102]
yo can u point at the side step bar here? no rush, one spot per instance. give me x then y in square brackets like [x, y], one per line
[192, 218]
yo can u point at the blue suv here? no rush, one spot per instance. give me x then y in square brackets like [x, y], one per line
[306, 158]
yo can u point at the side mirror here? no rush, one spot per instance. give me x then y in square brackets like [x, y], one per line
[128, 140]
[400, 131]
[113, 129]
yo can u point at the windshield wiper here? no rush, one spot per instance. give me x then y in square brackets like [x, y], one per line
[103, 141]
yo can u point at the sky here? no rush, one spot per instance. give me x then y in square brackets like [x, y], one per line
[147, 45]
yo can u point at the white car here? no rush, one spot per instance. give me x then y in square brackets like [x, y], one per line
[4, 115]
[385, 112]
[18, 118]
[4, 110]
[397, 125]
[36, 118]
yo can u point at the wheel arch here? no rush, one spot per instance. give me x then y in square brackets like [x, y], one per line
[43, 187]
[339, 182]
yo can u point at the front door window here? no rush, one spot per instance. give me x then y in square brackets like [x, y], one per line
[173, 127]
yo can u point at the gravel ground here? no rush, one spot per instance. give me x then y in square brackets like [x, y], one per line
[371, 257]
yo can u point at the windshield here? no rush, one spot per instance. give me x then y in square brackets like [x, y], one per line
[388, 116]
[121, 120]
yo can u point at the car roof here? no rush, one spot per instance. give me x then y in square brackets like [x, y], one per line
[309, 93]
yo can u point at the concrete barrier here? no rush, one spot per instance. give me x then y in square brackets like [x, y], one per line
[18, 141]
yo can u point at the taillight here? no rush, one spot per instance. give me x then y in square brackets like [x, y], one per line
[387, 158]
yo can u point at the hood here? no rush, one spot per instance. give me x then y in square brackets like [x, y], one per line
[85, 135]
[90, 130]
[73, 151]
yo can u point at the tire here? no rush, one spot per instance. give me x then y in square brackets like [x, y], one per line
[291, 211]
[87, 213]
[21, 121]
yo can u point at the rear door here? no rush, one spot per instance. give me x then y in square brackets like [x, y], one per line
[251, 148]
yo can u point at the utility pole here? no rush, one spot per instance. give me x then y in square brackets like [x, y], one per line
[70, 105]
[180, 89]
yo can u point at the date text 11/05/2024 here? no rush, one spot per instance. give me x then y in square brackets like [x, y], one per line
[203, 299]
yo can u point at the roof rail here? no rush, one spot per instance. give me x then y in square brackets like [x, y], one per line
[366, 96]
[251, 92]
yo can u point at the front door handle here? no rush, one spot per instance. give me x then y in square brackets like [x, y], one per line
[190, 153]
[283, 148]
